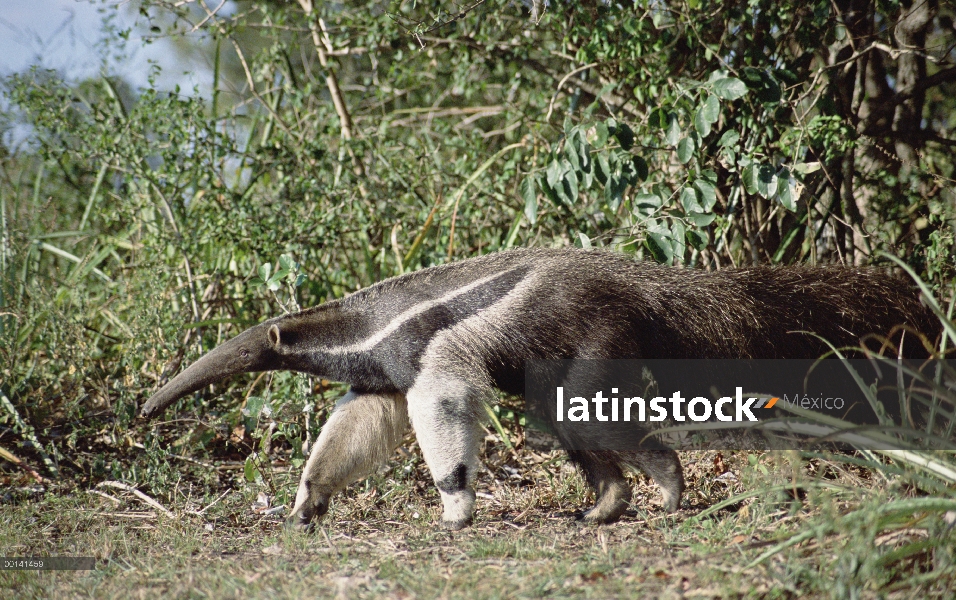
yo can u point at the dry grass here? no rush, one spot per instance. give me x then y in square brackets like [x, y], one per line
[379, 540]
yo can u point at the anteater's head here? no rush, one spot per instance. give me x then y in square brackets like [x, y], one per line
[256, 349]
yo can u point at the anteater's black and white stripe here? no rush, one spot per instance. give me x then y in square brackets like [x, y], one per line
[429, 347]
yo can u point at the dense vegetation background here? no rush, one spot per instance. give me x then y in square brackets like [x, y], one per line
[360, 140]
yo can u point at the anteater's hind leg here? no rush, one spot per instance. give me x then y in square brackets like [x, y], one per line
[663, 466]
[362, 432]
[602, 471]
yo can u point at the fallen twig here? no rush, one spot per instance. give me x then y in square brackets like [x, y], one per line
[199, 513]
[122, 486]
[27, 432]
[10, 456]
[113, 499]
[128, 515]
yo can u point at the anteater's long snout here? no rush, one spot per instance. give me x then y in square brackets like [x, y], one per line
[247, 352]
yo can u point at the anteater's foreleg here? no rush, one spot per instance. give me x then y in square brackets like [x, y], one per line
[362, 432]
[444, 413]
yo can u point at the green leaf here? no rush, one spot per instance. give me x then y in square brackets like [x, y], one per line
[710, 109]
[770, 90]
[806, 168]
[640, 168]
[582, 149]
[731, 157]
[286, 262]
[701, 219]
[529, 193]
[787, 190]
[730, 88]
[551, 193]
[728, 139]
[625, 136]
[697, 239]
[763, 85]
[571, 151]
[659, 245]
[583, 241]
[749, 177]
[300, 279]
[688, 200]
[766, 181]
[264, 272]
[570, 186]
[658, 118]
[587, 179]
[707, 194]
[678, 245]
[555, 173]
[614, 192]
[253, 406]
[647, 201]
[662, 191]
[673, 131]
[701, 124]
[584, 153]
[250, 471]
[297, 459]
[600, 132]
[603, 170]
[685, 150]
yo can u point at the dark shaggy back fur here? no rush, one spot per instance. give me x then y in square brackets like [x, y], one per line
[645, 310]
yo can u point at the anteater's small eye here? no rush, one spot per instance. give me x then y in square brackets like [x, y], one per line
[243, 353]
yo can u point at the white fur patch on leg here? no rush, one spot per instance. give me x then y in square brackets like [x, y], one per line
[459, 509]
[443, 415]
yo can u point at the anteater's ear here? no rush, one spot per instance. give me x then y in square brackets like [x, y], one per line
[274, 336]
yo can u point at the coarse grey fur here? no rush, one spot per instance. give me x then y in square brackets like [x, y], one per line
[428, 347]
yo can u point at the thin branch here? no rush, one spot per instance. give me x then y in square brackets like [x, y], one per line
[418, 33]
[938, 139]
[209, 14]
[6, 454]
[886, 108]
[254, 92]
[564, 80]
[504, 51]
[122, 486]
[323, 45]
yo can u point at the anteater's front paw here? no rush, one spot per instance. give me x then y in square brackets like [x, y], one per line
[304, 515]
[456, 525]
[297, 523]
